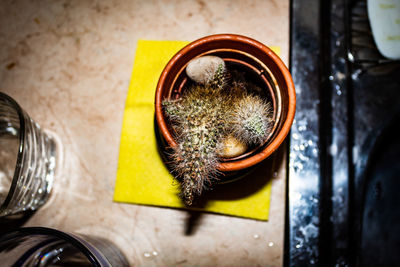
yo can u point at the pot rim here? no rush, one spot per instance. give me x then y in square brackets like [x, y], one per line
[280, 137]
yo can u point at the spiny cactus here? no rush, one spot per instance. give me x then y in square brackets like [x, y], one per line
[205, 119]
[251, 120]
[199, 118]
[220, 78]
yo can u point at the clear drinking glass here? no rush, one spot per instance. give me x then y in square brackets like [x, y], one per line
[39, 246]
[27, 160]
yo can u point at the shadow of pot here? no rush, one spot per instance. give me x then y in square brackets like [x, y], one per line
[261, 66]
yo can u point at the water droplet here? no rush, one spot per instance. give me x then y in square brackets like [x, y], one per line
[333, 149]
[302, 128]
[298, 246]
[331, 78]
[340, 75]
[355, 154]
[256, 236]
[146, 255]
[302, 147]
[350, 57]
[155, 253]
[355, 75]
[270, 244]
[297, 166]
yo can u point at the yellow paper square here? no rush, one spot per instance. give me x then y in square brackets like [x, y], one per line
[142, 177]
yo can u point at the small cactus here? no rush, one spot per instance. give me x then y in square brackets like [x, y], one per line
[220, 78]
[199, 121]
[251, 120]
[205, 70]
[204, 118]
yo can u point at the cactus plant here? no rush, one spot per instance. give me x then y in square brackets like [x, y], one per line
[203, 118]
[198, 118]
[251, 121]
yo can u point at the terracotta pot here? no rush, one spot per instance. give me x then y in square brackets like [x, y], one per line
[261, 64]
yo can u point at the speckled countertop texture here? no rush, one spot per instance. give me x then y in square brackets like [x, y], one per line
[68, 64]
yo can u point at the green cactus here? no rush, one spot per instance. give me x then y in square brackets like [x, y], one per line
[202, 118]
[220, 78]
[172, 108]
[198, 118]
[251, 120]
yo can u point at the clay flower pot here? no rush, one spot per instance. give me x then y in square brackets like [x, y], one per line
[260, 64]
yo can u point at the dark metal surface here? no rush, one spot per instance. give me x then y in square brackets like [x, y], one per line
[304, 157]
[337, 133]
[375, 85]
[347, 92]
[380, 216]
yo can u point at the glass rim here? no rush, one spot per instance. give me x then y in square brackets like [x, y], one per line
[18, 164]
[71, 239]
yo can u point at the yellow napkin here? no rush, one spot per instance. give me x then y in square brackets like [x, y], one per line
[142, 177]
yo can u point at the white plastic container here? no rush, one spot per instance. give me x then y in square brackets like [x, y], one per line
[384, 17]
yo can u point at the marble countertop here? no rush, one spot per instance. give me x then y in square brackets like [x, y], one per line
[68, 64]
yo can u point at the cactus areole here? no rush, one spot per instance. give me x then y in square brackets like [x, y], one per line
[227, 117]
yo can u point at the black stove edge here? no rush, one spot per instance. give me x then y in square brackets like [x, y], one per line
[317, 227]
[304, 175]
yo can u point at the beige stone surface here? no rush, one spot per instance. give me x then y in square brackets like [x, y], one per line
[68, 64]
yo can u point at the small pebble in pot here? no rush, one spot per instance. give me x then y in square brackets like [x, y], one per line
[231, 147]
[205, 69]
